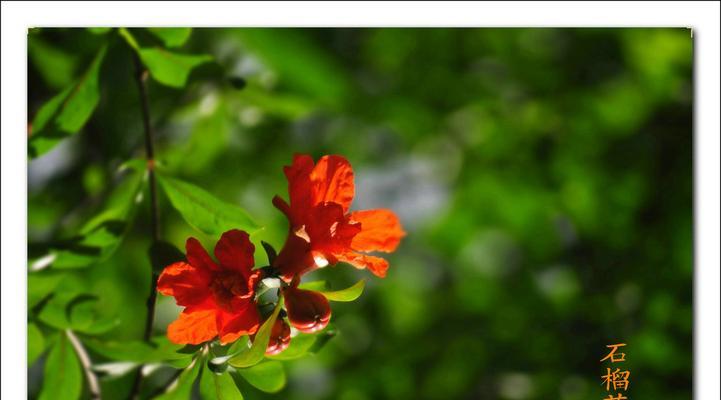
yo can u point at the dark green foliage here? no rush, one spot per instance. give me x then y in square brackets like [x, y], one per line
[544, 177]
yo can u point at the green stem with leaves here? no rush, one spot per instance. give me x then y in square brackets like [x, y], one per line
[141, 77]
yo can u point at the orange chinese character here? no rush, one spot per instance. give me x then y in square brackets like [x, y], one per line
[620, 357]
[617, 378]
[619, 396]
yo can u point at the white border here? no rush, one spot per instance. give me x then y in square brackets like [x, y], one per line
[703, 17]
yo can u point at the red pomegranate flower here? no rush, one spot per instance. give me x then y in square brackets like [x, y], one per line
[218, 297]
[322, 229]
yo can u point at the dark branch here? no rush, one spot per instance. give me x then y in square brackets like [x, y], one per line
[141, 77]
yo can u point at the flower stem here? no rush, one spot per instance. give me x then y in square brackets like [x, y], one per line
[93, 384]
[141, 77]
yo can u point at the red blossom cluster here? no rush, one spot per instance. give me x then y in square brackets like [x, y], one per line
[220, 296]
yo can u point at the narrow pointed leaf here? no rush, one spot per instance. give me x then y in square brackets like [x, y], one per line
[256, 352]
[347, 294]
[36, 343]
[267, 376]
[63, 377]
[68, 111]
[218, 386]
[203, 211]
[183, 387]
[171, 37]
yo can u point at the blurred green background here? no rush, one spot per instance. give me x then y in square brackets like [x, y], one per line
[544, 177]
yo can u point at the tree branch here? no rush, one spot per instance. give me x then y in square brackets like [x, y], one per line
[141, 77]
[93, 383]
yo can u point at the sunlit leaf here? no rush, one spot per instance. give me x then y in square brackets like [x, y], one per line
[182, 388]
[316, 286]
[267, 376]
[299, 347]
[63, 377]
[203, 211]
[166, 67]
[253, 355]
[36, 343]
[67, 112]
[347, 294]
[218, 386]
[99, 30]
[172, 37]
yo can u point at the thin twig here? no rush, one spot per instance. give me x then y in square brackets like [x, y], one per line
[93, 383]
[141, 77]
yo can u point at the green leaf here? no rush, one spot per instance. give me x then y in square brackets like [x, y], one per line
[63, 377]
[253, 355]
[323, 338]
[138, 351]
[40, 285]
[36, 343]
[171, 37]
[182, 388]
[267, 376]
[81, 312]
[103, 233]
[168, 68]
[316, 286]
[348, 294]
[56, 66]
[299, 347]
[238, 346]
[203, 211]
[67, 112]
[99, 30]
[218, 386]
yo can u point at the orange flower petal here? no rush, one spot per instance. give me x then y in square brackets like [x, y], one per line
[197, 256]
[329, 229]
[380, 230]
[378, 266]
[193, 327]
[232, 325]
[332, 180]
[299, 186]
[188, 284]
[235, 252]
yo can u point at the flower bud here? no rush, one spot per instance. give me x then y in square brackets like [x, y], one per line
[279, 337]
[308, 311]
